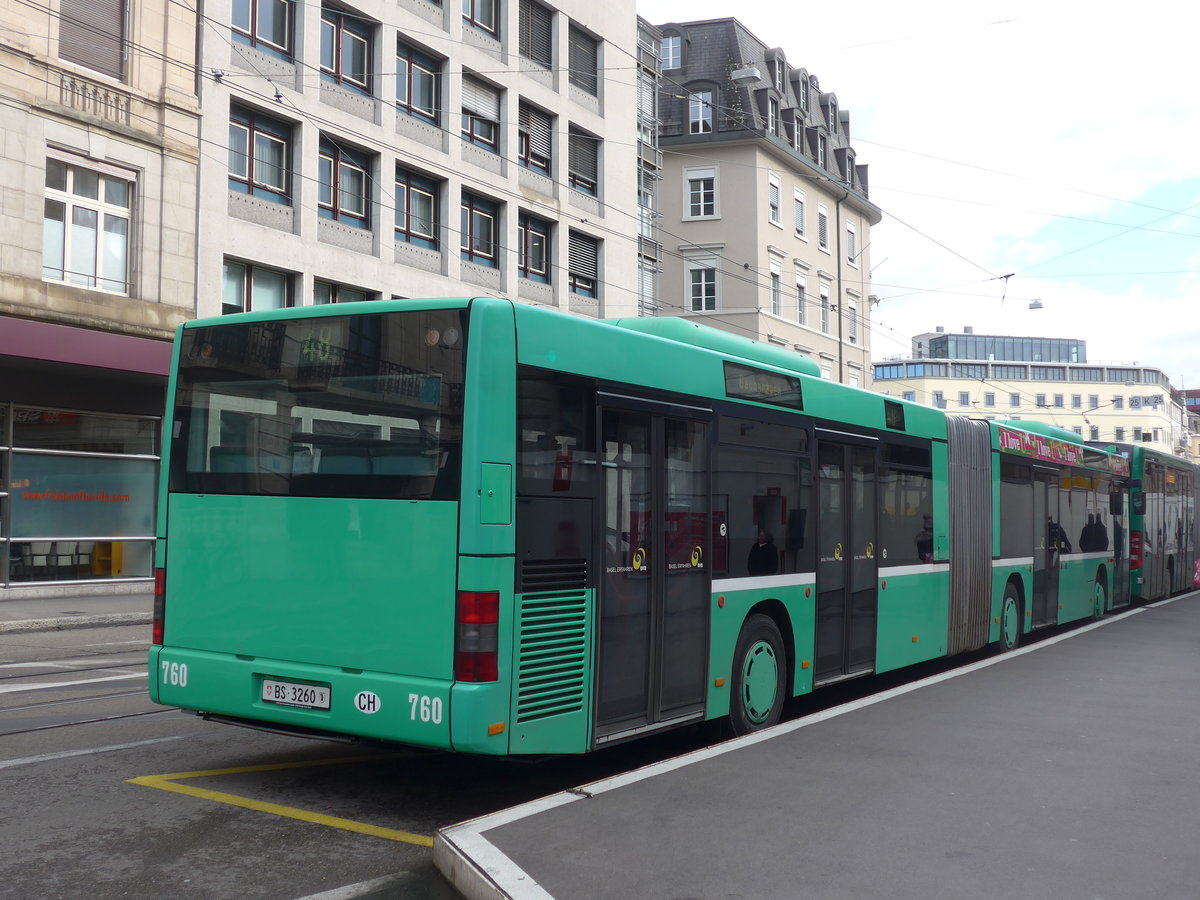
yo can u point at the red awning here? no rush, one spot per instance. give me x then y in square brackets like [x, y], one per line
[83, 347]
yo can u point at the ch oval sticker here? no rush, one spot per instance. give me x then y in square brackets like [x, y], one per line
[367, 702]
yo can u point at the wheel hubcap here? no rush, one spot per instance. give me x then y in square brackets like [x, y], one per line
[1008, 622]
[760, 680]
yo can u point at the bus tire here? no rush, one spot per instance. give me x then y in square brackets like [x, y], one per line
[1011, 618]
[759, 676]
[1100, 596]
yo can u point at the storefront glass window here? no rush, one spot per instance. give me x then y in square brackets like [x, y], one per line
[77, 495]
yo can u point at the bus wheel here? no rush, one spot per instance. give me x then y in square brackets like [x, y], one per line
[759, 671]
[1100, 597]
[1010, 618]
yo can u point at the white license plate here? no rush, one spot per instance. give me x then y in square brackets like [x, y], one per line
[289, 693]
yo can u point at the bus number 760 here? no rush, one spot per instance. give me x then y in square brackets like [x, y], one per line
[428, 709]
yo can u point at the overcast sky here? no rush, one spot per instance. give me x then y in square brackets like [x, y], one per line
[1055, 140]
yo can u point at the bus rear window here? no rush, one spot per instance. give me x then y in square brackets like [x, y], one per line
[330, 406]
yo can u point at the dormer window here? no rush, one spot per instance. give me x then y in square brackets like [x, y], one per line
[780, 74]
[833, 116]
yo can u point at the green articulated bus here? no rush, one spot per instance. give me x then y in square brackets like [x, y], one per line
[500, 529]
[1164, 545]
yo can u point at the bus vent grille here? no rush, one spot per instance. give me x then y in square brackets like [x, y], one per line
[553, 575]
[551, 655]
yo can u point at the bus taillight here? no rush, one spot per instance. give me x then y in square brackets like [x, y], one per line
[477, 637]
[1135, 549]
[160, 605]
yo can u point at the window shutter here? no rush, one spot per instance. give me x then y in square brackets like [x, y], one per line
[583, 156]
[480, 99]
[583, 255]
[535, 33]
[645, 96]
[537, 125]
[92, 33]
[584, 55]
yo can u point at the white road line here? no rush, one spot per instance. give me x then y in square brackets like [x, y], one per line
[17, 688]
[46, 757]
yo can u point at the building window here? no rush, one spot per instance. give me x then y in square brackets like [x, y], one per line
[825, 309]
[1076, 401]
[1093, 401]
[798, 213]
[701, 200]
[772, 115]
[700, 112]
[584, 55]
[939, 399]
[477, 234]
[774, 214]
[535, 33]
[802, 91]
[85, 228]
[910, 396]
[702, 285]
[851, 245]
[776, 278]
[801, 300]
[1137, 433]
[833, 116]
[481, 14]
[1058, 401]
[1118, 402]
[583, 161]
[259, 155]
[964, 398]
[346, 49]
[822, 150]
[1040, 401]
[671, 52]
[264, 23]
[92, 34]
[417, 77]
[535, 135]
[1014, 401]
[780, 70]
[327, 292]
[249, 287]
[1119, 434]
[822, 227]
[533, 248]
[1094, 433]
[583, 264]
[989, 399]
[342, 184]
[480, 113]
[416, 209]
[852, 322]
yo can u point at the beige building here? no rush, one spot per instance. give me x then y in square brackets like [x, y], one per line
[98, 163]
[766, 220]
[1042, 379]
[419, 149]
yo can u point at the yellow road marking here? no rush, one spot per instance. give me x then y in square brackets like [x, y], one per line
[171, 783]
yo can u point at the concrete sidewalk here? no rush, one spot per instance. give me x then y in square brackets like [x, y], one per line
[51, 609]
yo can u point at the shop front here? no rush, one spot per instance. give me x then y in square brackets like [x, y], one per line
[80, 435]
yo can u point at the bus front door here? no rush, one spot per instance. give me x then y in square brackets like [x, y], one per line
[847, 601]
[1047, 537]
[652, 644]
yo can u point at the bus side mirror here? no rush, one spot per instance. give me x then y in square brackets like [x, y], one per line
[1116, 504]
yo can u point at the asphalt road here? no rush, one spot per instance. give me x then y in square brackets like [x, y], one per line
[107, 795]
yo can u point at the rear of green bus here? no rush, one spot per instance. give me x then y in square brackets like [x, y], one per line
[313, 572]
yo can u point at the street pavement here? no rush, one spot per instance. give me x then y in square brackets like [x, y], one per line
[44, 610]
